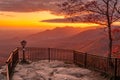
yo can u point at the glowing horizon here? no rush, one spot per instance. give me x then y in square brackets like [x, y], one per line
[31, 20]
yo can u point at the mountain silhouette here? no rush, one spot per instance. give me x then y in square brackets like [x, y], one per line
[93, 41]
[57, 33]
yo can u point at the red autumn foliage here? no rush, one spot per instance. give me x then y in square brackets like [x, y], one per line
[116, 34]
[116, 51]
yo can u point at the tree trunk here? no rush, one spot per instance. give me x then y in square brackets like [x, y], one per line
[110, 47]
[109, 33]
[110, 41]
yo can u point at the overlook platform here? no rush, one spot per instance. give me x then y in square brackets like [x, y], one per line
[54, 70]
[37, 55]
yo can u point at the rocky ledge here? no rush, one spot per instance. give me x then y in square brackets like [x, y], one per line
[54, 70]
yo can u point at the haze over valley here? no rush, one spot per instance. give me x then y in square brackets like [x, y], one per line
[90, 40]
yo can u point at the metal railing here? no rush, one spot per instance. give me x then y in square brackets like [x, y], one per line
[89, 61]
[98, 63]
[11, 63]
[35, 54]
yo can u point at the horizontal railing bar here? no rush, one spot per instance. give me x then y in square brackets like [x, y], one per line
[11, 54]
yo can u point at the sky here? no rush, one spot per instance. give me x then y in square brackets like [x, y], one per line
[32, 14]
[32, 20]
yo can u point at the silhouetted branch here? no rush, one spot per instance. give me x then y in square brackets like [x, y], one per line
[103, 12]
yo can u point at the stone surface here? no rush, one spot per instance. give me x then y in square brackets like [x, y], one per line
[3, 73]
[55, 70]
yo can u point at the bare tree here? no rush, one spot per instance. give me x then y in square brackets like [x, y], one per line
[103, 12]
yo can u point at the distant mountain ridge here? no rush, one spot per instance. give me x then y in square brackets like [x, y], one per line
[57, 33]
[94, 41]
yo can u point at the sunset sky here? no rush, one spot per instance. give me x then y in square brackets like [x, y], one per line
[30, 14]
[33, 20]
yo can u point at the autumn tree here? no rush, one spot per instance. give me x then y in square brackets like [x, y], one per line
[103, 12]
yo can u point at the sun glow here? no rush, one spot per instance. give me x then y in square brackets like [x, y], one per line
[14, 20]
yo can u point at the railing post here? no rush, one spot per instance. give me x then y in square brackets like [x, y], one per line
[18, 54]
[7, 71]
[11, 63]
[13, 59]
[74, 57]
[85, 63]
[115, 69]
[49, 54]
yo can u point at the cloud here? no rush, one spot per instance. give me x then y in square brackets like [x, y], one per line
[64, 20]
[86, 18]
[74, 19]
[2, 14]
[29, 5]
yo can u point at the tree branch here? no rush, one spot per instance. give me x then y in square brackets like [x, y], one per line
[98, 8]
[116, 19]
[104, 1]
[113, 10]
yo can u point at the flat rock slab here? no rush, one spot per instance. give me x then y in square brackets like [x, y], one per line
[54, 70]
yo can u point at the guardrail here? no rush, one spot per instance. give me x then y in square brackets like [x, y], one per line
[11, 63]
[98, 63]
[34, 54]
[89, 61]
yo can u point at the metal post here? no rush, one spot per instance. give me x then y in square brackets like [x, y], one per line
[24, 54]
[85, 63]
[115, 70]
[49, 54]
[17, 55]
[7, 68]
[74, 57]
